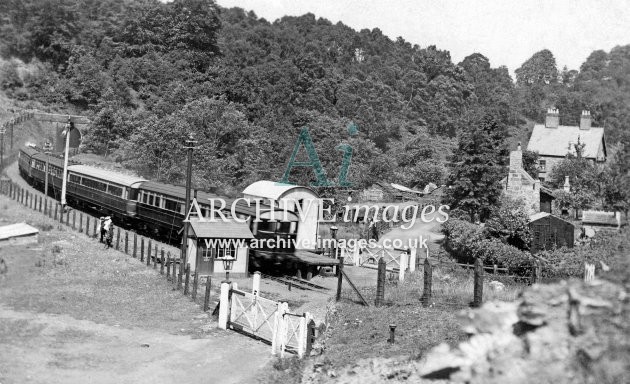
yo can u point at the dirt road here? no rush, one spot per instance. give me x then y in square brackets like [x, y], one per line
[44, 348]
[72, 312]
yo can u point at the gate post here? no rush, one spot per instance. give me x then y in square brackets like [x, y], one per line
[402, 267]
[357, 255]
[256, 284]
[380, 283]
[224, 305]
[303, 334]
[412, 259]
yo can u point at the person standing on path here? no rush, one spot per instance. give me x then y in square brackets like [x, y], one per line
[108, 227]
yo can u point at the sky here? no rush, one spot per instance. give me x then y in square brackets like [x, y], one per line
[508, 32]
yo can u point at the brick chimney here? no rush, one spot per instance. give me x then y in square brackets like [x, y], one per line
[516, 158]
[552, 120]
[585, 120]
[567, 185]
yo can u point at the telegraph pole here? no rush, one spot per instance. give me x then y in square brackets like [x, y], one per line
[47, 149]
[189, 146]
[65, 163]
[3, 130]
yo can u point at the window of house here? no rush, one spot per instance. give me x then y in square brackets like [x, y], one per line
[542, 165]
[217, 252]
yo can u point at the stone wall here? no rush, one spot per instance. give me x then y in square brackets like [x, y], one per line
[565, 333]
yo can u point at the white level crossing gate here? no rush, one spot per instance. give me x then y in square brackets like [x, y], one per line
[265, 319]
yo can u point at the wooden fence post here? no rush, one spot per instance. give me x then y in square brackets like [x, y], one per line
[176, 279]
[478, 290]
[162, 262]
[339, 278]
[380, 282]
[118, 239]
[56, 208]
[206, 298]
[428, 283]
[74, 219]
[142, 250]
[40, 204]
[126, 243]
[87, 225]
[194, 287]
[168, 266]
[149, 254]
[155, 256]
[46, 206]
[187, 271]
[68, 218]
[81, 222]
[95, 231]
[135, 245]
[26, 199]
[536, 269]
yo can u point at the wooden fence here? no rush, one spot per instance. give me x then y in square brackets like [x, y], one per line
[128, 242]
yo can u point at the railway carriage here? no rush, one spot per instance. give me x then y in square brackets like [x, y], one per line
[104, 191]
[55, 172]
[161, 208]
[25, 157]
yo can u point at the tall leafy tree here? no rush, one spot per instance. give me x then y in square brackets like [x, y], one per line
[477, 167]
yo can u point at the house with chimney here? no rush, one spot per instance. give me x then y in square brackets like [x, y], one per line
[519, 185]
[554, 141]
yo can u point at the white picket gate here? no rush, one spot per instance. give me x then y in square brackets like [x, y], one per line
[394, 258]
[264, 319]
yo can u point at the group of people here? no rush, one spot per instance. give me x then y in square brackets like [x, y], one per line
[107, 230]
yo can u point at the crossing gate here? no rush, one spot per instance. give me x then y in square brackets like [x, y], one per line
[267, 320]
[372, 255]
[253, 314]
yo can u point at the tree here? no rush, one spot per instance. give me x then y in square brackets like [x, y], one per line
[530, 163]
[538, 69]
[510, 224]
[617, 186]
[477, 167]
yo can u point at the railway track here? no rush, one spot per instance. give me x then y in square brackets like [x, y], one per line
[297, 283]
[13, 174]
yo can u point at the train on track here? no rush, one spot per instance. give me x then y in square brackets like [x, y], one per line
[157, 209]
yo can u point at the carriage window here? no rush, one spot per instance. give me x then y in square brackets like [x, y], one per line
[150, 200]
[114, 190]
[171, 205]
[75, 179]
[157, 201]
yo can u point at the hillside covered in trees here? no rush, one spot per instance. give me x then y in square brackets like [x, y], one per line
[149, 73]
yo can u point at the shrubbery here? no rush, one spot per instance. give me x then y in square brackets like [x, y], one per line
[466, 242]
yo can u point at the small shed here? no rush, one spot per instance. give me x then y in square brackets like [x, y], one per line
[546, 199]
[549, 231]
[20, 233]
[210, 242]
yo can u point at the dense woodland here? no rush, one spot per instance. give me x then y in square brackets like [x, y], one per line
[149, 73]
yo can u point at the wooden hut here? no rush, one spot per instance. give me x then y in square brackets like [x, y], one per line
[549, 231]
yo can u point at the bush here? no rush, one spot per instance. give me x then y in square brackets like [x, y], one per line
[466, 242]
[460, 239]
